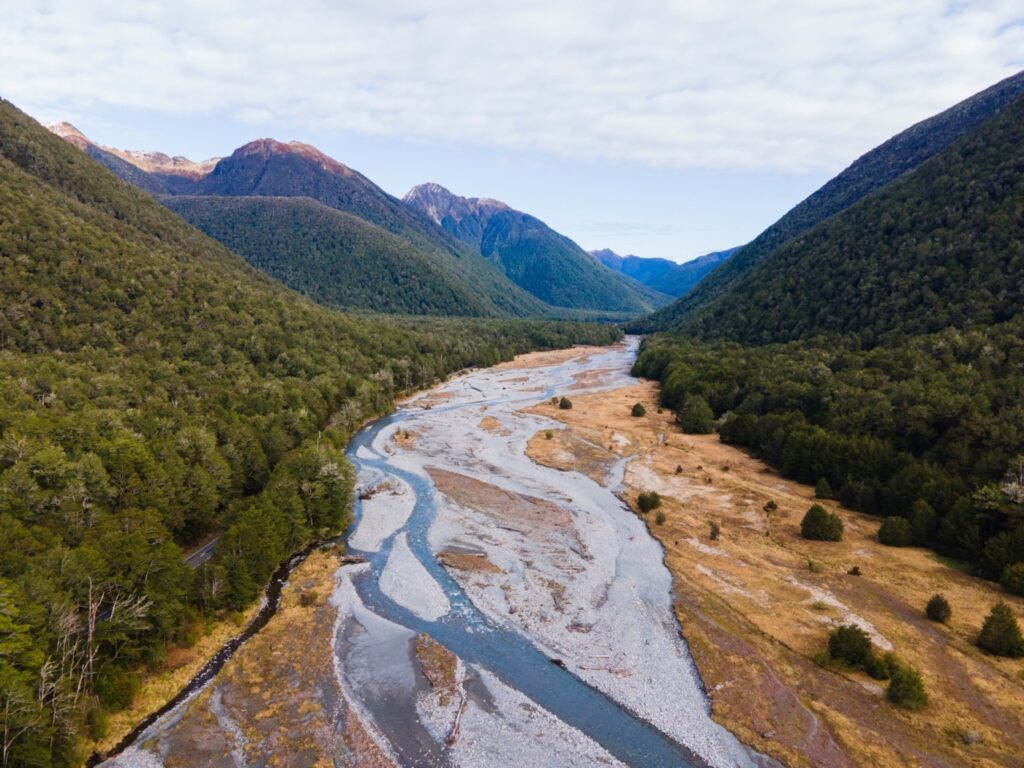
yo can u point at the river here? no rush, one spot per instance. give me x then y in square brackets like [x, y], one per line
[553, 599]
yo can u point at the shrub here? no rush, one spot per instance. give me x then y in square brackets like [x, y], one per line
[716, 530]
[696, 416]
[855, 571]
[548, 434]
[823, 490]
[938, 609]
[1013, 579]
[821, 525]
[660, 518]
[638, 410]
[648, 501]
[882, 667]
[896, 532]
[1000, 634]
[771, 506]
[679, 469]
[851, 645]
[906, 688]
[565, 403]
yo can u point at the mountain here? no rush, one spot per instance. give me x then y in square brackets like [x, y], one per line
[662, 274]
[873, 171]
[547, 264]
[335, 258]
[268, 168]
[941, 246]
[153, 172]
[154, 387]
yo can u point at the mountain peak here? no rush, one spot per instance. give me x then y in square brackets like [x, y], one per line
[437, 202]
[267, 148]
[70, 134]
[151, 162]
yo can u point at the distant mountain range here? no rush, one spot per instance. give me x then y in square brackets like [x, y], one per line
[545, 263]
[328, 231]
[662, 274]
[769, 268]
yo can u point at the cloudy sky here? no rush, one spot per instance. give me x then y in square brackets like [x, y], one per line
[660, 128]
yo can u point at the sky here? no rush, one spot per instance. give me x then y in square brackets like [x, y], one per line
[657, 128]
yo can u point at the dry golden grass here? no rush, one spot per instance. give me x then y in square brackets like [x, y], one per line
[755, 613]
[158, 687]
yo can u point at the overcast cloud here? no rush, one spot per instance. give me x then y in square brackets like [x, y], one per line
[790, 85]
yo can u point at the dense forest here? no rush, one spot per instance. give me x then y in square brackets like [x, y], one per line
[930, 429]
[155, 388]
[335, 258]
[874, 171]
[941, 246]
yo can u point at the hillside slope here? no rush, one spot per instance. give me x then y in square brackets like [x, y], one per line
[334, 258]
[154, 387]
[664, 275]
[942, 246]
[874, 170]
[543, 262]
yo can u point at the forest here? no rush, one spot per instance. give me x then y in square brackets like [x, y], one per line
[154, 388]
[928, 428]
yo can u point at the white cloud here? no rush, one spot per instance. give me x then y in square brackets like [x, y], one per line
[781, 84]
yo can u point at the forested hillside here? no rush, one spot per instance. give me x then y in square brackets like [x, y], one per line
[153, 388]
[880, 355]
[930, 429]
[334, 258]
[941, 246]
[876, 169]
[535, 257]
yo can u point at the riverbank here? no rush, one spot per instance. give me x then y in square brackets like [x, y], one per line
[755, 613]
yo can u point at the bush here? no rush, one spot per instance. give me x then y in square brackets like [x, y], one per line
[771, 506]
[565, 404]
[922, 521]
[896, 532]
[638, 410]
[679, 469]
[1013, 579]
[906, 688]
[821, 525]
[938, 609]
[648, 501]
[823, 490]
[548, 434]
[696, 416]
[716, 530]
[855, 571]
[660, 518]
[851, 645]
[1000, 634]
[882, 667]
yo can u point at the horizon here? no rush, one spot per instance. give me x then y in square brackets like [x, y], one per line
[670, 133]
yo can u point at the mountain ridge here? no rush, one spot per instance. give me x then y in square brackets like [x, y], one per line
[539, 259]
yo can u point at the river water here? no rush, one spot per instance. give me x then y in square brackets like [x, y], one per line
[567, 651]
[576, 621]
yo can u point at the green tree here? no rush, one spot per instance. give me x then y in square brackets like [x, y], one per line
[565, 403]
[938, 609]
[1013, 579]
[851, 645]
[819, 524]
[823, 490]
[1000, 634]
[896, 532]
[906, 689]
[638, 410]
[696, 416]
